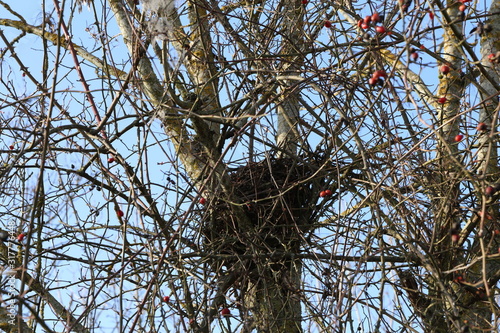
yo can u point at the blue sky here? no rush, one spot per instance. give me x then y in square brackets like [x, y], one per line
[82, 221]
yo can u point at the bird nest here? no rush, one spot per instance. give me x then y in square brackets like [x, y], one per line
[277, 195]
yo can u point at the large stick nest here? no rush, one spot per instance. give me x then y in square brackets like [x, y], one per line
[278, 196]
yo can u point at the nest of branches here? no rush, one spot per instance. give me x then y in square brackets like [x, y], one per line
[278, 196]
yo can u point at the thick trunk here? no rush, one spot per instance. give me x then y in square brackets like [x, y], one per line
[274, 299]
[445, 183]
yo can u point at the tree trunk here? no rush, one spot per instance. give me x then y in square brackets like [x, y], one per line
[274, 298]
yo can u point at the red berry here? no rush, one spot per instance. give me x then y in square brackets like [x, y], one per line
[414, 56]
[378, 74]
[382, 73]
[203, 201]
[11, 147]
[328, 24]
[462, 8]
[459, 137]
[20, 237]
[111, 159]
[431, 15]
[360, 23]
[322, 194]
[442, 100]
[166, 298]
[304, 2]
[119, 213]
[445, 69]
[367, 19]
[490, 190]
[482, 127]
[328, 193]
[455, 238]
[491, 56]
[225, 312]
[365, 26]
[372, 81]
[375, 17]
[380, 29]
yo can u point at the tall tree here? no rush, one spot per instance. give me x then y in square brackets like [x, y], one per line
[250, 166]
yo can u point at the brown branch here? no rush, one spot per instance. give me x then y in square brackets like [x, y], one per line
[72, 49]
